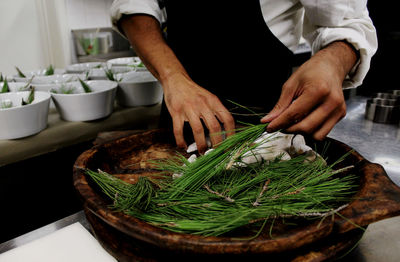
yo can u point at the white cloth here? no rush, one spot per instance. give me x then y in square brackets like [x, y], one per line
[321, 22]
[71, 243]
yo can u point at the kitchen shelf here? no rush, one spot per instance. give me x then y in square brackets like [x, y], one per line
[60, 133]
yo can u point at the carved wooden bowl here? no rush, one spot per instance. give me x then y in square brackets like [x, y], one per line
[130, 239]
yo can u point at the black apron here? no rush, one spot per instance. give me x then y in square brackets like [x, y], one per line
[227, 48]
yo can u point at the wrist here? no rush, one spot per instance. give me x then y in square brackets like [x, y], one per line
[168, 78]
[343, 55]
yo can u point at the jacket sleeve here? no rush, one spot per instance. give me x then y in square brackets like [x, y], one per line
[326, 21]
[129, 7]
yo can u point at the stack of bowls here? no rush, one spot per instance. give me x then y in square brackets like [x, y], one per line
[384, 107]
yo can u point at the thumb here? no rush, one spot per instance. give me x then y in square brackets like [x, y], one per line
[284, 101]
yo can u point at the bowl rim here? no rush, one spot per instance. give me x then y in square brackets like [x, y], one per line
[141, 82]
[114, 86]
[34, 73]
[72, 67]
[47, 97]
[111, 62]
[136, 82]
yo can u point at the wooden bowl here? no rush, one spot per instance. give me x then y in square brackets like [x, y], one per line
[130, 239]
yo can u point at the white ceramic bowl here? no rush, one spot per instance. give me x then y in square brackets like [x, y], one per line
[100, 74]
[57, 79]
[138, 89]
[21, 121]
[97, 74]
[86, 106]
[122, 69]
[9, 78]
[53, 79]
[15, 86]
[22, 86]
[123, 61]
[84, 67]
[40, 72]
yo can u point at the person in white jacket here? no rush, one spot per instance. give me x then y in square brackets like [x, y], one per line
[241, 51]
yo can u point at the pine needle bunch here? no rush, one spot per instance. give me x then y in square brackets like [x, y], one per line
[125, 196]
[210, 199]
[6, 104]
[205, 167]
[49, 70]
[64, 89]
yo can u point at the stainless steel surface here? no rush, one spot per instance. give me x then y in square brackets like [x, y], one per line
[105, 57]
[107, 43]
[378, 143]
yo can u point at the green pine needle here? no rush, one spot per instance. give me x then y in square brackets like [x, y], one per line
[31, 97]
[109, 74]
[64, 89]
[20, 74]
[85, 86]
[49, 71]
[211, 200]
[5, 87]
[6, 104]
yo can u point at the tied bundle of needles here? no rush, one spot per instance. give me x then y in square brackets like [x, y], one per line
[210, 199]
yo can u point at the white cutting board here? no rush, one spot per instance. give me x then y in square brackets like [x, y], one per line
[71, 243]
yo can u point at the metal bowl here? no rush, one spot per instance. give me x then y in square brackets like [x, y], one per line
[382, 110]
[387, 96]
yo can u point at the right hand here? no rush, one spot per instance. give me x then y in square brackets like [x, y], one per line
[188, 102]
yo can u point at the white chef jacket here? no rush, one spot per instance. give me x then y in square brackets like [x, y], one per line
[321, 22]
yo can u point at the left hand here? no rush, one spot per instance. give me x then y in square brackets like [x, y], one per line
[312, 99]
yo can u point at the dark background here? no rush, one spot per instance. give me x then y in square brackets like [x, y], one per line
[385, 70]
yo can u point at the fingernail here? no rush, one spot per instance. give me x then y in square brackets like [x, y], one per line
[266, 118]
[270, 129]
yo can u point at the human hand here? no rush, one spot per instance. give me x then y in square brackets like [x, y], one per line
[188, 102]
[312, 99]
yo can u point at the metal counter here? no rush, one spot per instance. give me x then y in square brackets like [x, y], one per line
[379, 143]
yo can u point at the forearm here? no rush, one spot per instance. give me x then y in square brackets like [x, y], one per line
[145, 35]
[186, 101]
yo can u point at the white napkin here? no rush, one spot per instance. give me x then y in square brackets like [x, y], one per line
[71, 243]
